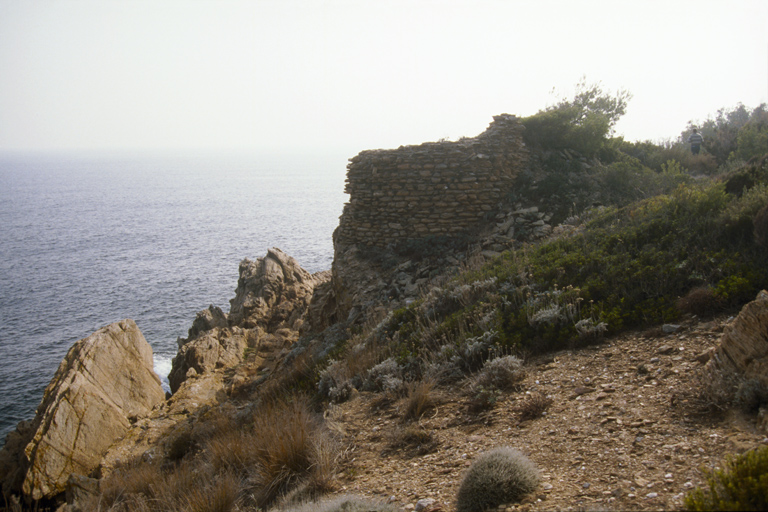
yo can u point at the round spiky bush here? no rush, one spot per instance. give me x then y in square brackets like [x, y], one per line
[502, 475]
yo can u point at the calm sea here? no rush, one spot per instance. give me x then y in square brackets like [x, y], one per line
[87, 240]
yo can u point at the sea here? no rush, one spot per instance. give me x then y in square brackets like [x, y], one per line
[87, 239]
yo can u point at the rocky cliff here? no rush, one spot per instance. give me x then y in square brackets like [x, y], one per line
[270, 309]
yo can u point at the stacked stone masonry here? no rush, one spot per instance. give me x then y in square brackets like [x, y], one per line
[433, 189]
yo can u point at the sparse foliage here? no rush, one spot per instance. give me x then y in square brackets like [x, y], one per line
[741, 485]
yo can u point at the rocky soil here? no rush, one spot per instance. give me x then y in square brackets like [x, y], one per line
[624, 430]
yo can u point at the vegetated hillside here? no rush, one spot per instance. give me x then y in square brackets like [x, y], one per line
[554, 347]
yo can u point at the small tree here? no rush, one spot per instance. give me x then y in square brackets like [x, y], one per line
[581, 123]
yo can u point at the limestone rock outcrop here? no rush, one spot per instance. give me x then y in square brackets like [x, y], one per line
[273, 292]
[271, 306]
[206, 320]
[105, 382]
[215, 348]
[743, 349]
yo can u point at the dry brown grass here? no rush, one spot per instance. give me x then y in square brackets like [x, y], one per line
[413, 440]
[291, 446]
[220, 495]
[533, 406]
[419, 400]
[245, 461]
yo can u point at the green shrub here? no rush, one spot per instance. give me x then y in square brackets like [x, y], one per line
[482, 399]
[500, 476]
[741, 485]
[580, 124]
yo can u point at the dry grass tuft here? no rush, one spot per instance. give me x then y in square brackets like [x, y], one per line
[291, 446]
[420, 399]
[219, 495]
[414, 440]
[533, 406]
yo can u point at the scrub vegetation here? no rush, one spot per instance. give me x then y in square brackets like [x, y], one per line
[654, 233]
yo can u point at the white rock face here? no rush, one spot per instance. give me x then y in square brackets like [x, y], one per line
[104, 383]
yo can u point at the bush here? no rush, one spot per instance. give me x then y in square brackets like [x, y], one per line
[500, 476]
[502, 373]
[751, 395]
[580, 124]
[741, 485]
[700, 301]
[482, 399]
[385, 376]
[334, 382]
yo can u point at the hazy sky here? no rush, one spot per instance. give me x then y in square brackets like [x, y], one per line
[357, 74]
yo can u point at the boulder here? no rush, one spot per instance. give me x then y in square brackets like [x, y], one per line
[743, 347]
[272, 292]
[206, 320]
[105, 382]
[216, 348]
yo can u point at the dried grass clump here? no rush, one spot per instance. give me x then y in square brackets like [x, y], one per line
[500, 476]
[128, 482]
[534, 406]
[419, 400]
[292, 447]
[219, 495]
[139, 487]
[501, 373]
[701, 301]
[414, 440]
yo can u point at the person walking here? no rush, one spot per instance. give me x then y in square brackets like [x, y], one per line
[695, 139]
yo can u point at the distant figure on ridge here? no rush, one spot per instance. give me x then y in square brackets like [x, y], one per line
[695, 139]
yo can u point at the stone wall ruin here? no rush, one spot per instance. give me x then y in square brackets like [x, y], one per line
[430, 190]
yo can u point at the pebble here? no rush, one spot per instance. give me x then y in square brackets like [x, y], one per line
[424, 503]
[652, 495]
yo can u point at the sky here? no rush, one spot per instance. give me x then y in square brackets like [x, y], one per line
[295, 75]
